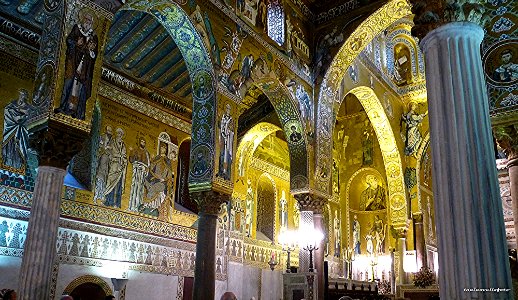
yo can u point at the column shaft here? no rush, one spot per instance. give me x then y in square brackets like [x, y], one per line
[205, 272]
[306, 221]
[40, 246]
[512, 167]
[319, 255]
[420, 246]
[468, 209]
[209, 203]
[401, 252]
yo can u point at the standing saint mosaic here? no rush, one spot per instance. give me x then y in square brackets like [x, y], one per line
[226, 142]
[15, 136]
[140, 160]
[412, 136]
[81, 54]
[117, 163]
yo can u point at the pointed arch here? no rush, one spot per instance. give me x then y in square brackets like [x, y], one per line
[329, 95]
[178, 25]
[249, 143]
[397, 207]
[287, 110]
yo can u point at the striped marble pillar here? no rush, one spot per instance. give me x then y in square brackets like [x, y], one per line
[470, 227]
[40, 246]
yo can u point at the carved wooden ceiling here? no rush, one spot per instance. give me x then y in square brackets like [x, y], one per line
[141, 49]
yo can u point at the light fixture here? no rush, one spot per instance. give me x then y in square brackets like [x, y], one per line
[288, 240]
[309, 238]
[410, 261]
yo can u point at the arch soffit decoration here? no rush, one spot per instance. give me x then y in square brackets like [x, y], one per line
[87, 279]
[177, 23]
[328, 95]
[287, 110]
[254, 135]
[389, 151]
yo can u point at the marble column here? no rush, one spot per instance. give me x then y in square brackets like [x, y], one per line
[311, 215]
[400, 236]
[507, 139]
[470, 228]
[209, 203]
[40, 245]
[420, 245]
[319, 254]
[55, 148]
[512, 167]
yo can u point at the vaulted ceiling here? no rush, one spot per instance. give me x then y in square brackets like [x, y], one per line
[141, 49]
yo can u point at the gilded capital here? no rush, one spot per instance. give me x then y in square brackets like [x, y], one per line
[209, 202]
[399, 232]
[431, 14]
[418, 217]
[507, 138]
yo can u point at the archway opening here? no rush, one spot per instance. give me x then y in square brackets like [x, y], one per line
[88, 290]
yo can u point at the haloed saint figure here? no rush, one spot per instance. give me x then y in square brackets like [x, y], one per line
[15, 137]
[81, 53]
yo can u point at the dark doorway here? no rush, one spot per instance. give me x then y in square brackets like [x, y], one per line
[88, 291]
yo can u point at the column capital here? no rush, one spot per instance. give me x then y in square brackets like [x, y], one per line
[310, 202]
[431, 14]
[399, 232]
[56, 144]
[209, 202]
[507, 138]
[418, 217]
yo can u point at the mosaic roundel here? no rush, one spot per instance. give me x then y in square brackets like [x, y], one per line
[202, 85]
[202, 158]
[501, 63]
[293, 132]
[51, 4]
[42, 85]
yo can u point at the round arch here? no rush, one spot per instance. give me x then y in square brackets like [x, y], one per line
[287, 110]
[391, 157]
[87, 279]
[328, 95]
[199, 65]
